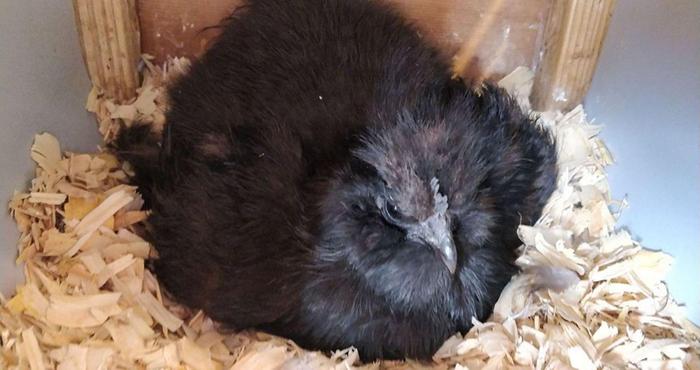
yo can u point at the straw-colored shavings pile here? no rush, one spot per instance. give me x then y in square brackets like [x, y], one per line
[589, 296]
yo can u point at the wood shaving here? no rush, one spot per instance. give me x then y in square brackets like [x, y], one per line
[148, 106]
[589, 296]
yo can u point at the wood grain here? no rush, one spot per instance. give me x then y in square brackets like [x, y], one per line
[495, 40]
[110, 44]
[574, 37]
[173, 28]
[487, 38]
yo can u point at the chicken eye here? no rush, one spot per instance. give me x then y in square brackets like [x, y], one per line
[392, 214]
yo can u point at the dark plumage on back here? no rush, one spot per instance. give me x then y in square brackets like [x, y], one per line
[322, 178]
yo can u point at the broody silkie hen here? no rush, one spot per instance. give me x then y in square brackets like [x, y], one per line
[321, 177]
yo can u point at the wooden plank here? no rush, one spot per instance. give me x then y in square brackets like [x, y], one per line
[487, 38]
[574, 36]
[173, 28]
[110, 44]
[493, 40]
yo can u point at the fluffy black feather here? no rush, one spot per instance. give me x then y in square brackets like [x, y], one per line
[321, 177]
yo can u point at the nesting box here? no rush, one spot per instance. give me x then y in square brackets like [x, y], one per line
[559, 39]
[622, 316]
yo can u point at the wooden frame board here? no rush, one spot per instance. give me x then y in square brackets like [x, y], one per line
[560, 39]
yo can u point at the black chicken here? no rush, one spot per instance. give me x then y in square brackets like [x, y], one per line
[321, 177]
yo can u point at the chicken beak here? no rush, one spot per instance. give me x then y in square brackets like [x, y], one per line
[448, 254]
[436, 233]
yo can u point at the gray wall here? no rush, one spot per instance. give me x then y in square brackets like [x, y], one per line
[646, 92]
[43, 86]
